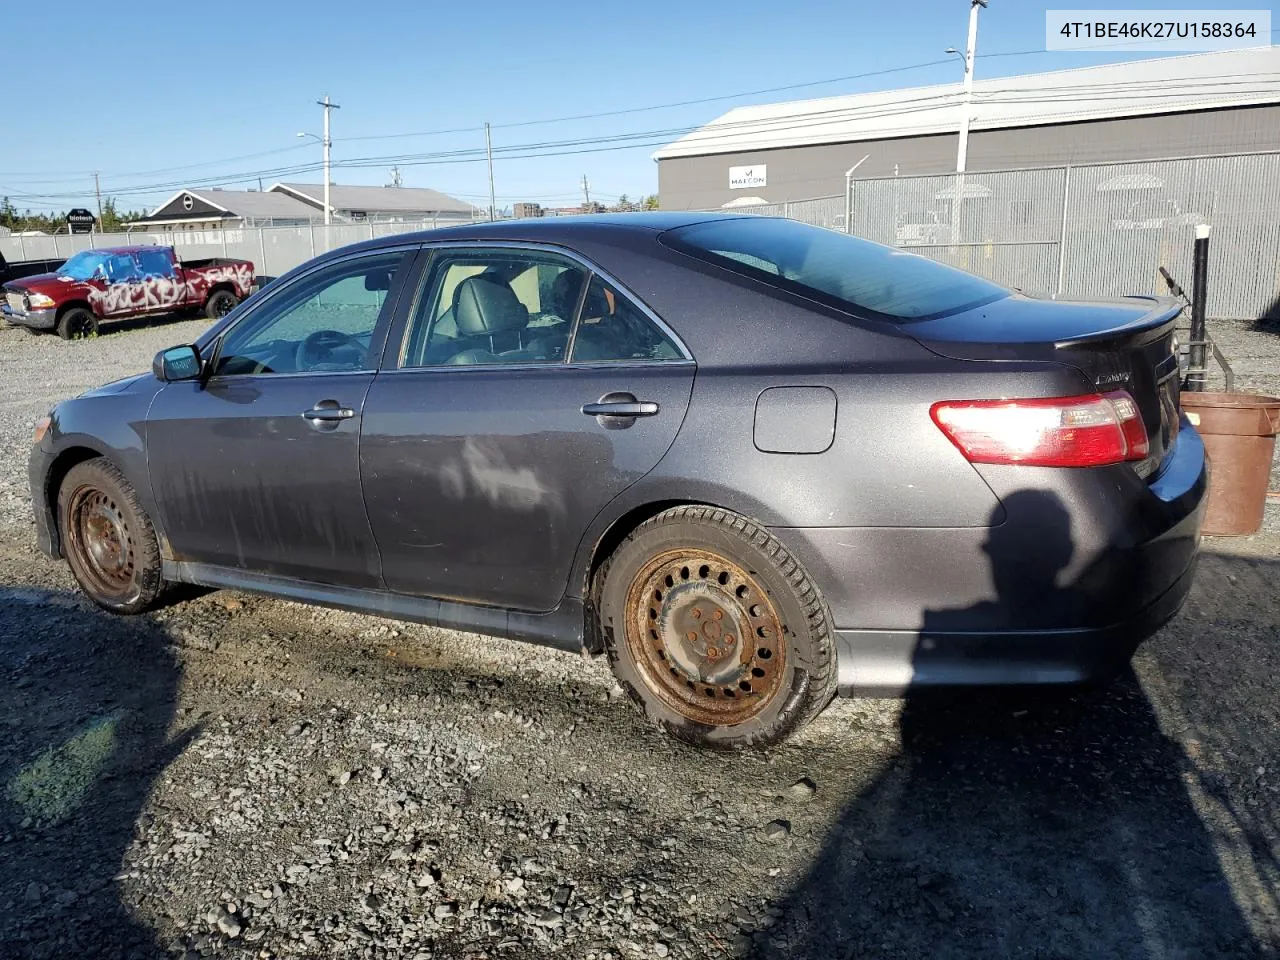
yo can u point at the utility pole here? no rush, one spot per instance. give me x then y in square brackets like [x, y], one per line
[586, 195]
[97, 190]
[488, 148]
[328, 143]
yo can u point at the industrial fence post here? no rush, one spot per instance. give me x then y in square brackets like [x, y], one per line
[1199, 355]
[1062, 229]
[262, 249]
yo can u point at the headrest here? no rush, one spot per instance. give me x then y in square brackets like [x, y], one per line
[482, 307]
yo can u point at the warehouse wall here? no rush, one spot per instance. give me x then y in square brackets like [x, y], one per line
[798, 173]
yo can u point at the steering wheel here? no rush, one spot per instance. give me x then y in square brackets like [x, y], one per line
[317, 347]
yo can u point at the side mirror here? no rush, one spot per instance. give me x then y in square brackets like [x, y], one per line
[100, 273]
[176, 363]
[378, 282]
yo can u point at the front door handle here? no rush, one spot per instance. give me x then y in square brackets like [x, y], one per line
[328, 411]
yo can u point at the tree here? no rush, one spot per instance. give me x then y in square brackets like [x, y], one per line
[650, 202]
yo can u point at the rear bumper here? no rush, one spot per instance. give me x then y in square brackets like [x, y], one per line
[1085, 565]
[36, 319]
[888, 663]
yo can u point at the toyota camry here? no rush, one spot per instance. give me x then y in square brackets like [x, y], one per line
[755, 463]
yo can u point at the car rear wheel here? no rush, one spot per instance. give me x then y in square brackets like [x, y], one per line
[108, 539]
[77, 323]
[219, 304]
[715, 630]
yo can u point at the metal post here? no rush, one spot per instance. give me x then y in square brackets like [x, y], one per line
[1199, 297]
[22, 246]
[962, 143]
[262, 251]
[488, 147]
[1062, 231]
[223, 230]
[848, 195]
[311, 232]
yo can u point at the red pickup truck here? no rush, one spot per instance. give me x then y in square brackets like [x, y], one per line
[122, 282]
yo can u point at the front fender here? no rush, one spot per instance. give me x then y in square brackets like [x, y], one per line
[111, 423]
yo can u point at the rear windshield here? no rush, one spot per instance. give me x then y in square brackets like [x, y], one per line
[835, 268]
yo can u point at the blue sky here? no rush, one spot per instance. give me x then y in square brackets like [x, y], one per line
[217, 92]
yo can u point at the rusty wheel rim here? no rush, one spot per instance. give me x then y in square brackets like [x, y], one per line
[706, 636]
[103, 543]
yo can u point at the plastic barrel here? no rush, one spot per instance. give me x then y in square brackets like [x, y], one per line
[1239, 433]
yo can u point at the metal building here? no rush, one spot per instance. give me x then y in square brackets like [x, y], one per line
[1211, 104]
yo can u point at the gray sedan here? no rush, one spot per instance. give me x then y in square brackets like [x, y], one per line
[757, 463]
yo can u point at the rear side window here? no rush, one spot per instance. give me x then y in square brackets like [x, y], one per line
[835, 268]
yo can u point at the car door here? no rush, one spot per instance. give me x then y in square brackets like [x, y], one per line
[483, 457]
[119, 288]
[258, 466]
[160, 279]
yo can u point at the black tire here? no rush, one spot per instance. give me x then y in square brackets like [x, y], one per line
[77, 323]
[647, 595]
[219, 304]
[108, 539]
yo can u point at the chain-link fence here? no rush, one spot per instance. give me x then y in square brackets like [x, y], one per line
[1086, 231]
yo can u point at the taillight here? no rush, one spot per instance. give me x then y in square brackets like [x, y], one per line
[1088, 431]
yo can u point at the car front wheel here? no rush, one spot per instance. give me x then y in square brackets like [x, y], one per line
[715, 630]
[108, 539]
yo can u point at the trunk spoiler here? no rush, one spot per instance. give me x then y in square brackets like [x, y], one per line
[1144, 329]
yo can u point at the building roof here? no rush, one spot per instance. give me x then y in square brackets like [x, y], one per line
[1202, 81]
[252, 204]
[376, 199]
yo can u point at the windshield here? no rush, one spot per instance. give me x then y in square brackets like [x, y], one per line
[835, 268]
[83, 265]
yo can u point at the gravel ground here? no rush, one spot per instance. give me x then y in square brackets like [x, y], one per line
[243, 777]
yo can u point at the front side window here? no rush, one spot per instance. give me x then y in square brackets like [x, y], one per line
[122, 268]
[321, 323]
[612, 328]
[834, 268]
[494, 306]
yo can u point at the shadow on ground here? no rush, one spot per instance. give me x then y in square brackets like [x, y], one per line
[85, 715]
[1044, 825]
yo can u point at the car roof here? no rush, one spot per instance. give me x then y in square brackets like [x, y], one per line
[556, 229]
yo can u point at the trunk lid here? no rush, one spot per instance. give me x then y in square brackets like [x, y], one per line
[1117, 345]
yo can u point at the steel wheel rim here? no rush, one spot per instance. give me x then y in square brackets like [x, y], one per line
[80, 328]
[706, 635]
[221, 305]
[103, 542]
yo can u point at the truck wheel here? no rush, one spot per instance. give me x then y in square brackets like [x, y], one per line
[715, 630]
[108, 538]
[77, 323]
[219, 304]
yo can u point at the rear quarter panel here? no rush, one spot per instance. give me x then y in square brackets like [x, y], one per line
[888, 465]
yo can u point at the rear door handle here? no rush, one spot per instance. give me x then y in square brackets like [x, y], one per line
[621, 408]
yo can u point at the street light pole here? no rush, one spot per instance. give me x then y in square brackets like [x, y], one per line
[966, 107]
[962, 147]
[328, 142]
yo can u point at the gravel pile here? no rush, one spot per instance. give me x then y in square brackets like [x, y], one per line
[234, 776]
